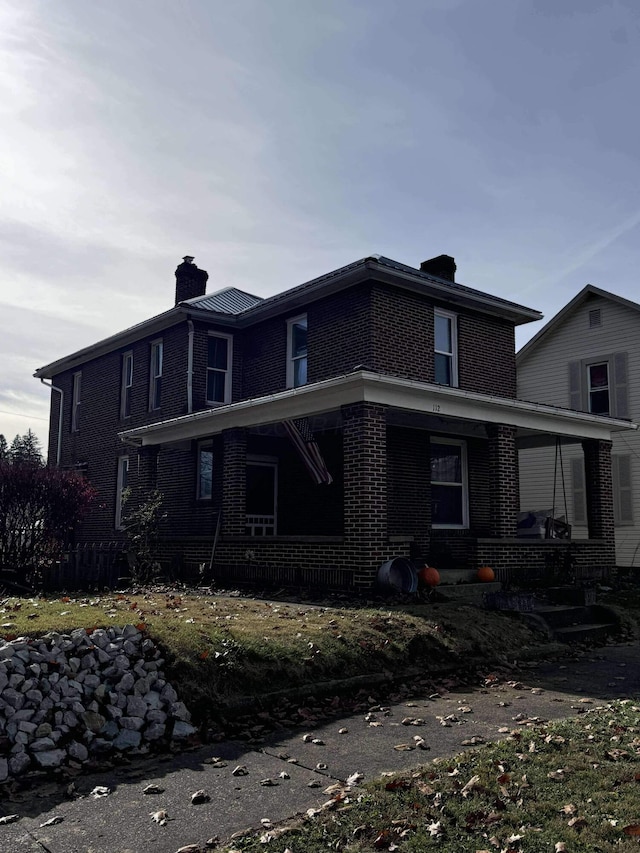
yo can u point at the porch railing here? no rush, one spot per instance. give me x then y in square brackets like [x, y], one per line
[260, 525]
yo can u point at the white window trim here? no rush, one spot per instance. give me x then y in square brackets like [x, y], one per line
[76, 400]
[158, 343]
[126, 385]
[228, 380]
[453, 355]
[291, 322]
[464, 485]
[123, 461]
[205, 444]
[607, 363]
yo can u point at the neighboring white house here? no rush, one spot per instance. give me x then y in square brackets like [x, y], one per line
[586, 358]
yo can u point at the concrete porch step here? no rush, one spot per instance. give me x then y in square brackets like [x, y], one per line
[575, 623]
[587, 632]
[467, 592]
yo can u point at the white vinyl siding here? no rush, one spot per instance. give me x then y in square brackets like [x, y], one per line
[545, 376]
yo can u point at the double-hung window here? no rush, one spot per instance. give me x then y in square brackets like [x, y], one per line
[449, 491]
[127, 384]
[598, 388]
[155, 376]
[75, 401]
[121, 485]
[445, 348]
[219, 367]
[204, 487]
[297, 351]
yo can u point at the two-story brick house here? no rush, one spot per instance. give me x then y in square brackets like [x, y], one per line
[407, 380]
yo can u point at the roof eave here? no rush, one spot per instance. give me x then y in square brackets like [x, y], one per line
[120, 339]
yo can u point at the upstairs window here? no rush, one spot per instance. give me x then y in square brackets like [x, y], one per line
[446, 348]
[204, 488]
[155, 376]
[75, 401]
[219, 357]
[598, 388]
[297, 351]
[127, 384]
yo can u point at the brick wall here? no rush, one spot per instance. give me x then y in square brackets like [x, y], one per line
[96, 442]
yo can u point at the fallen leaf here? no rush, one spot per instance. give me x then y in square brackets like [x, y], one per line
[100, 791]
[200, 797]
[240, 770]
[53, 821]
[161, 817]
[9, 818]
[153, 789]
[632, 829]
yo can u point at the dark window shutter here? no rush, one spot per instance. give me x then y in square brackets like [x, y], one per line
[622, 493]
[620, 385]
[575, 386]
[579, 491]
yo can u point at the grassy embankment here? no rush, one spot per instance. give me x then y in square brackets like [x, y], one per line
[220, 649]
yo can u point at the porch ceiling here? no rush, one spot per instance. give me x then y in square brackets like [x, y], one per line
[438, 404]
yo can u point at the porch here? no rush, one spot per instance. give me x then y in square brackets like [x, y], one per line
[419, 471]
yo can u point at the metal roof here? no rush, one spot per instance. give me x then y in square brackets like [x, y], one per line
[229, 300]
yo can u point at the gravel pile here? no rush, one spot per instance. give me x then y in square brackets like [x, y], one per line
[67, 699]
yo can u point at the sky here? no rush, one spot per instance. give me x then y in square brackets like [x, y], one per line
[276, 140]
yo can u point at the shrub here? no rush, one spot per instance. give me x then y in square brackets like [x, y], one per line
[39, 510]
[142, 526]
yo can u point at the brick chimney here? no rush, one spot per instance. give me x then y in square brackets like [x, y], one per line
[444, 266]
[190, 281]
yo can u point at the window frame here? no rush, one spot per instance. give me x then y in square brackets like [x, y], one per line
[76, 401]
[228, 373]
[601, 363]
[155, 396]
[122, 482]
[126, 385]
[463, 485]
[453, 355]
[203, 446]
[291, 359]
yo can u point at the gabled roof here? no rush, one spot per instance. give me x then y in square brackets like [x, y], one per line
[559, 318]
[233, 307]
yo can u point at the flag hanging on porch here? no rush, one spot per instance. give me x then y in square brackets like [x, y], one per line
[300, 434]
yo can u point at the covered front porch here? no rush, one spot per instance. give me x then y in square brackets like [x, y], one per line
[420, 471]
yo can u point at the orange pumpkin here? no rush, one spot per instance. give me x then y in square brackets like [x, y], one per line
[429, 576]
[486, 574]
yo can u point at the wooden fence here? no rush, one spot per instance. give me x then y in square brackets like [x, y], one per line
[88, 567]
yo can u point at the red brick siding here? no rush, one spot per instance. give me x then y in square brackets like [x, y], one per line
[402, 333]
[486, 354]
[409, 491]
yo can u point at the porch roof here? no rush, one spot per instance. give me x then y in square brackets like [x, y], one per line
[401, 394]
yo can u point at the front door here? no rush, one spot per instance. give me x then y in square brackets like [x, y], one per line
[261, 506]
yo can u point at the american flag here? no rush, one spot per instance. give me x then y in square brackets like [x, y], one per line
[300, 434]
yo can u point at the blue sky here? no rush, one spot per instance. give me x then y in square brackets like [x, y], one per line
[276, 140]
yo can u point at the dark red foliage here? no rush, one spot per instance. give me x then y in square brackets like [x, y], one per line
[39, 509]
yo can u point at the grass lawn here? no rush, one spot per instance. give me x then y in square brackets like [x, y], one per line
[220, 649]
[568, 786]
